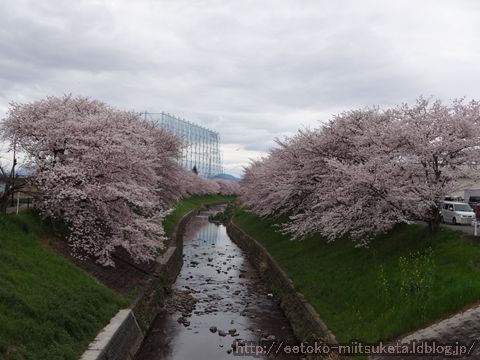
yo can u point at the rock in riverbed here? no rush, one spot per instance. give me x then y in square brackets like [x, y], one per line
[181, 301]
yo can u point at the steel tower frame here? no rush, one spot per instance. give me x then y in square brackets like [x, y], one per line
[201, 145]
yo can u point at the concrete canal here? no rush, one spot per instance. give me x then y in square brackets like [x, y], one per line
[217, 301]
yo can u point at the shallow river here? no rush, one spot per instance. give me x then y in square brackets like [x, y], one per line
[217, 300]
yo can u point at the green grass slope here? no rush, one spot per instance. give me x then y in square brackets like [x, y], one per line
[186, 205]
[49, 308]
[403, 281]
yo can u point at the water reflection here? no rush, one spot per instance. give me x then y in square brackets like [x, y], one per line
[228, 295]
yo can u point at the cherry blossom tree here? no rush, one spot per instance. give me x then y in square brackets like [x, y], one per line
[368, 169]
[227, 187]
[281, 182]
[109, 175]
[440, 150]
[193, 184]
[169, 174]
[357, 192]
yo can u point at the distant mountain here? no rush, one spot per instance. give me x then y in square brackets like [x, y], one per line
[226, 177]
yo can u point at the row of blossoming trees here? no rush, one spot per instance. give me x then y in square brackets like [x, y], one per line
[110, 175]
[369, 169]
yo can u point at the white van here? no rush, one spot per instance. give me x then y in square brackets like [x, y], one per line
[456, 212]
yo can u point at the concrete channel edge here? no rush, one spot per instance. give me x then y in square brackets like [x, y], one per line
[305, 320]
[123, 336]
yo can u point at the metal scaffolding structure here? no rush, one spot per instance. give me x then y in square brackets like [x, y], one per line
[201, 149]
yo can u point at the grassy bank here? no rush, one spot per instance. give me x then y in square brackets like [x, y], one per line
[403, 281]
[49, 308]
[186, 205]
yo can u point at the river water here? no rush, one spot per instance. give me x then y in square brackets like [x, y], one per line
[218, 299]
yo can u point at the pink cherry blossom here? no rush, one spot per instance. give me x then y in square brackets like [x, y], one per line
[109, 175]
[368, 169]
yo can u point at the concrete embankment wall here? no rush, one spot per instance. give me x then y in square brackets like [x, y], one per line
[123, 336]
[305, 321]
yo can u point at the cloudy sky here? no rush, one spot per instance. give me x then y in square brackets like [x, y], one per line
[251, 70]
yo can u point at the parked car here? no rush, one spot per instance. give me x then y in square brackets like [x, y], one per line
[456, 212]
[472, 197]
[474, 201]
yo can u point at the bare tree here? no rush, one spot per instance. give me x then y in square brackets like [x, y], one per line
[10, 179]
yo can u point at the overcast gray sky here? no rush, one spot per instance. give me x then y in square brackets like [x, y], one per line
[251, 70]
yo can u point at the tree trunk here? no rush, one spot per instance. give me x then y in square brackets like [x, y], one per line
[434, 222]
[4, 200]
